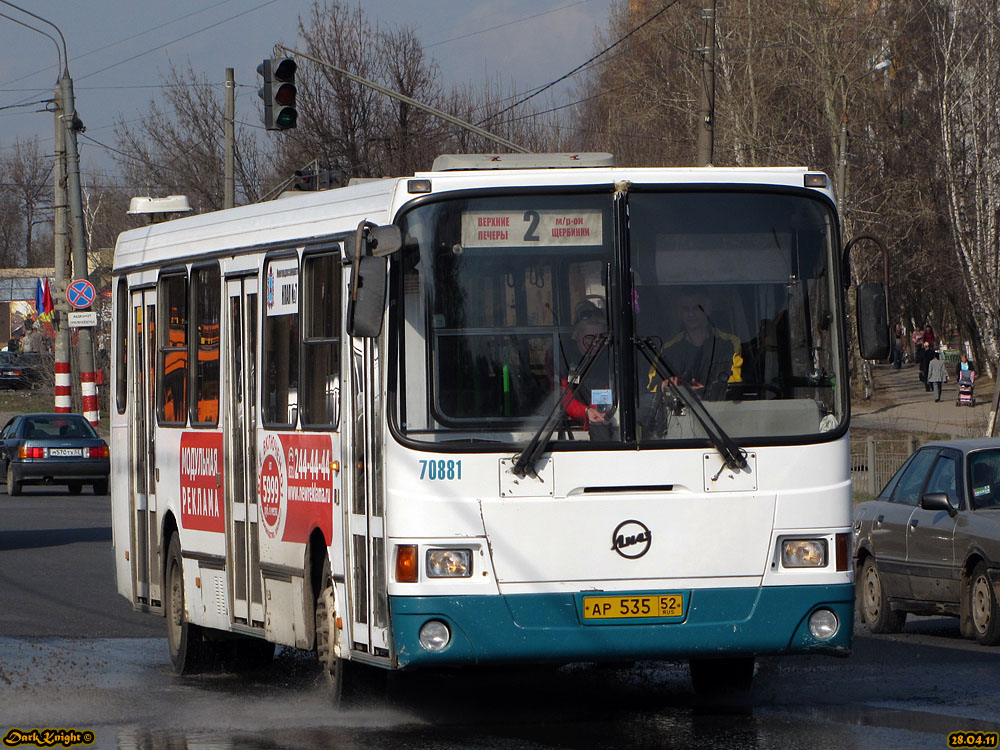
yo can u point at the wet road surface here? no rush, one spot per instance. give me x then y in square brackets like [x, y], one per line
[74, 655]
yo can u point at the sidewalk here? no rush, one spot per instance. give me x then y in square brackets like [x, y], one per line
[899, 403]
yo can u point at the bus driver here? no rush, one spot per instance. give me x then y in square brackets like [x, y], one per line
[703, 357]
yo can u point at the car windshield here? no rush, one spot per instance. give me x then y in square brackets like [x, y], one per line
[729, 295]
[45, 428]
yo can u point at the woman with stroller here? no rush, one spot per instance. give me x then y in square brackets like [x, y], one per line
[965, 374]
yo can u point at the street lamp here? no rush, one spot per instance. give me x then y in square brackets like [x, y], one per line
[72, 125]
[842, 147]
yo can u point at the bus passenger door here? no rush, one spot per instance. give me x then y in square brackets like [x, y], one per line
[145, 551]
[366, 533]
[240, 430]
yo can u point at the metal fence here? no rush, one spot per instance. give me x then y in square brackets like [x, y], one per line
[873, 462]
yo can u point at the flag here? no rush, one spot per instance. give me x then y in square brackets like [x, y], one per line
[47, 299]
[43, 300]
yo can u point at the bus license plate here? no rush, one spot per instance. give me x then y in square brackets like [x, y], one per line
[629, 607]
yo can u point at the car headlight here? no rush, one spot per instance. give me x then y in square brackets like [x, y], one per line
[449, 563]
[803, 553]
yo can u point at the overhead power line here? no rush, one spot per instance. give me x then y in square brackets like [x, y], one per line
[580, 67]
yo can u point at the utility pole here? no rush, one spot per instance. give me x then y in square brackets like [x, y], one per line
[229, 186]
[63, 376]
[85, 346]
[706, 91]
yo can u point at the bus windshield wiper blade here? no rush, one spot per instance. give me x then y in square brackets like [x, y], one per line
[525, 460]
[732, 455]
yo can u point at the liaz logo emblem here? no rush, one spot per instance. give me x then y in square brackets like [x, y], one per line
[631, 539]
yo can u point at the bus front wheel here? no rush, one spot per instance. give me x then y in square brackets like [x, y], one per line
[187, 645]
[332, 666]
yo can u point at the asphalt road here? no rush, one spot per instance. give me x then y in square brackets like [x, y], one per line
[74, 655]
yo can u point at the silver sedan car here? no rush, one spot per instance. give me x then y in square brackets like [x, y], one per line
[930, 543]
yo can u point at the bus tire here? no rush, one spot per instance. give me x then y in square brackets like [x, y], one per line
[873, 603]
[331, 666]
[188, 650]
[722, 676]
[984, 612]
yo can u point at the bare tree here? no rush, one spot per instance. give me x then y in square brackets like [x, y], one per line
[967, 55]
[27, 200]
[178, 147]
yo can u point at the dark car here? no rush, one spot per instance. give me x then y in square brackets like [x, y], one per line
[53, 449]
[930, 543]
[20, 369]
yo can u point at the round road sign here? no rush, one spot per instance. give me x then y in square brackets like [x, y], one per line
[80, 294]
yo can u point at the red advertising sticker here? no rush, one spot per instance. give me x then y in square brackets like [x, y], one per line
[309, 477]
[295, 486]
[202, 480]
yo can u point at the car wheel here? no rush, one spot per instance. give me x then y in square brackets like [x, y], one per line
[874, 604]
[74, 488]
[101, 487]
[984, 612]
[13, 483]
[188, 650]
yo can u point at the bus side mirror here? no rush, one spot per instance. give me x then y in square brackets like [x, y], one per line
[366, 297]
[873, 324]
[366, 293]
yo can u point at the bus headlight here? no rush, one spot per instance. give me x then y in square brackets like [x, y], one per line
[803, 553]
[434, 635]
[823, 624]
[449, 563]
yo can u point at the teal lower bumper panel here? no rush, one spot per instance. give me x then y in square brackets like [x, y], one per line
[552, 628]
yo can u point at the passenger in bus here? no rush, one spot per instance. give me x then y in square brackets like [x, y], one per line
[591, 403]
[701, 356]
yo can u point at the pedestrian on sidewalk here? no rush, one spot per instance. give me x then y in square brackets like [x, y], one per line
[965, 365]
[897, 346]
[937, 374]
[924, 356]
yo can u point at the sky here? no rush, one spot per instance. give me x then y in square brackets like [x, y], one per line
[120, 49]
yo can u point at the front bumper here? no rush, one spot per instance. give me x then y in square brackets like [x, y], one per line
[549, 627]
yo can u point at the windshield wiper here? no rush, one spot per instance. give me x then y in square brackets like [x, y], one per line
[732, 455]
[525, 460]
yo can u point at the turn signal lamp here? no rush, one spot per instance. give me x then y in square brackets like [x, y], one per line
[406, 563]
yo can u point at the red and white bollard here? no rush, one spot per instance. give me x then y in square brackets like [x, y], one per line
[64, 391]
[88, 389]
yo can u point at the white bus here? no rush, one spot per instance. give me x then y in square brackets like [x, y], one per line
[520, 408]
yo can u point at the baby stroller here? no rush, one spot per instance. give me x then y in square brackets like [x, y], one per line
[966, 384]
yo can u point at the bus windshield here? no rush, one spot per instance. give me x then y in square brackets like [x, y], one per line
[722, 296]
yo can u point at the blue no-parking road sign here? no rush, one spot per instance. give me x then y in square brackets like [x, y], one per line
[80, 294]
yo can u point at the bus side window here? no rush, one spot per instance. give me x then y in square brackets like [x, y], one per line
[172, 363]
[206, 294]
[320, 400]
[280, 370]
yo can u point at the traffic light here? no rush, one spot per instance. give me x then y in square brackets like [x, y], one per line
[278, 92]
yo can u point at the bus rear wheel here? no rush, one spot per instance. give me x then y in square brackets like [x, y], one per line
[332, 677]
[188, 650]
